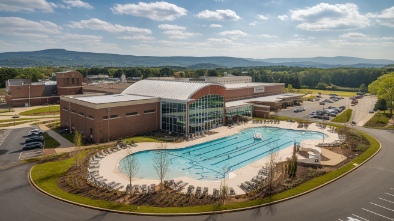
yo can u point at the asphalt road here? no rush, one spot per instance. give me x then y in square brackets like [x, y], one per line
[368, 192]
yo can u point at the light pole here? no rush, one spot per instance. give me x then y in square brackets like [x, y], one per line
[29, 95]
[108, 110]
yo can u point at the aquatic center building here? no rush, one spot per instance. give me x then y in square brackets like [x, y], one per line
[177, 107]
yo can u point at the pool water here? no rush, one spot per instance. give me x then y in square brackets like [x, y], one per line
[206, 161]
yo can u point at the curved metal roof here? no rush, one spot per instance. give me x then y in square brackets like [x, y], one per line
[176, 90]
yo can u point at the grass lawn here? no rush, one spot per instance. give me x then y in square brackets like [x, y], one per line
[315, 91]
[379, 120]
[11, 123]
[68, 136]
[46, 175]
[50, 142]
[344, 117]
[6, 110]
[51, 109]
[140, 139]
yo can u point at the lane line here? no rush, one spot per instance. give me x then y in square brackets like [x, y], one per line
[381, 206]
[377, 214]
[385, 200]
[360, 217]
[389, 194]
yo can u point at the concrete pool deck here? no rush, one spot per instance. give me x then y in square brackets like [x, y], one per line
[109, 164]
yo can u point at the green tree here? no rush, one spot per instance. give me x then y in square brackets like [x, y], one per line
[290, 88]
[381, 105]
[321, 85]
[363, 88]
[78, 143]
[383, 87]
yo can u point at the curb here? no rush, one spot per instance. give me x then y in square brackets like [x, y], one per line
[203, 213]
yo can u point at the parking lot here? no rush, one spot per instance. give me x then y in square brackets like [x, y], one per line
[360, 111]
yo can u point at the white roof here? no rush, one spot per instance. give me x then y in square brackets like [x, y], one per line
[272, 98]
[250, 84]
[113, 98]
[174, 90]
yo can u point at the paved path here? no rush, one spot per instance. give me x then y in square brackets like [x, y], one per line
[64, 143]
[334, 158]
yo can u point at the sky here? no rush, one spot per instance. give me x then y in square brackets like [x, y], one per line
[248, 29]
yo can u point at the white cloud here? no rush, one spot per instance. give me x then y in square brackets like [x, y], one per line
[262, 17]
[170, 27]
[253, 23]
[180, 34]
[21, 27]
[137, 37]
[80, 38]
[78, 4]
[26, 5]
[158, 11]
[215, 25]
[97, 24]
[220, 40]
[268, 36]
[283, 17]
[326, 17]
[353, 35]
[234, 34]
[385, 18]
[220, 15]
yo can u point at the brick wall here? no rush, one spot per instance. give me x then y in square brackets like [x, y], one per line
[244, 93]
[118, 126]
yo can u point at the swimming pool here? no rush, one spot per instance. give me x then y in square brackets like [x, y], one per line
[205, 161]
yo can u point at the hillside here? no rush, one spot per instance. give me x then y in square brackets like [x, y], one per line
[62, 57]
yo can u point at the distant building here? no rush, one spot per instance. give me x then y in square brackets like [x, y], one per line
[227, 79]
[24, 92]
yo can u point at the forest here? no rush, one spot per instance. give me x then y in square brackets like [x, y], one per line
[298, 77]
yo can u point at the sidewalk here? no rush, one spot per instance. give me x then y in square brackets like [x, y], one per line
[64, 143]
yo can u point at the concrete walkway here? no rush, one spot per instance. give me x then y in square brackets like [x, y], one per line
[334, 158]
[64, 143]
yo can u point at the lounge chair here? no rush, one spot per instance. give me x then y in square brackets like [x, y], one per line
[181, 186]
[152, 188]
[198, 191]
[144, 189]
[232, 192]
[215, 193]
[190, 190]
[205, 191]
[137, 189]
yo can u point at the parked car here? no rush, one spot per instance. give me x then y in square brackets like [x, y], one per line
[35, 132]
[301, 109]
[32, 145]
[342, 107]
[34, 138]
[322, 103]
[296, 110]
[64, 131]
[371, 111]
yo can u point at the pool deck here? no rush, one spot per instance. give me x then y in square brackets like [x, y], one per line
[109, 164]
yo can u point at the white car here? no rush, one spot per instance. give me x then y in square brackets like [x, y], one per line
[35, 132]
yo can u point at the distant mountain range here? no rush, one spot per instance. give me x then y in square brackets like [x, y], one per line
[62, 57]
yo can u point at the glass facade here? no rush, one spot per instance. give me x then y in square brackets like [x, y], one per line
[233, 114]
[173, 117]
[206, 113]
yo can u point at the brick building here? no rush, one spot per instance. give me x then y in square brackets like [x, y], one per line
[24, 92]
[181, 108]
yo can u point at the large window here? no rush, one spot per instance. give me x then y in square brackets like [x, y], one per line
[173, 117]
[206, 113]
